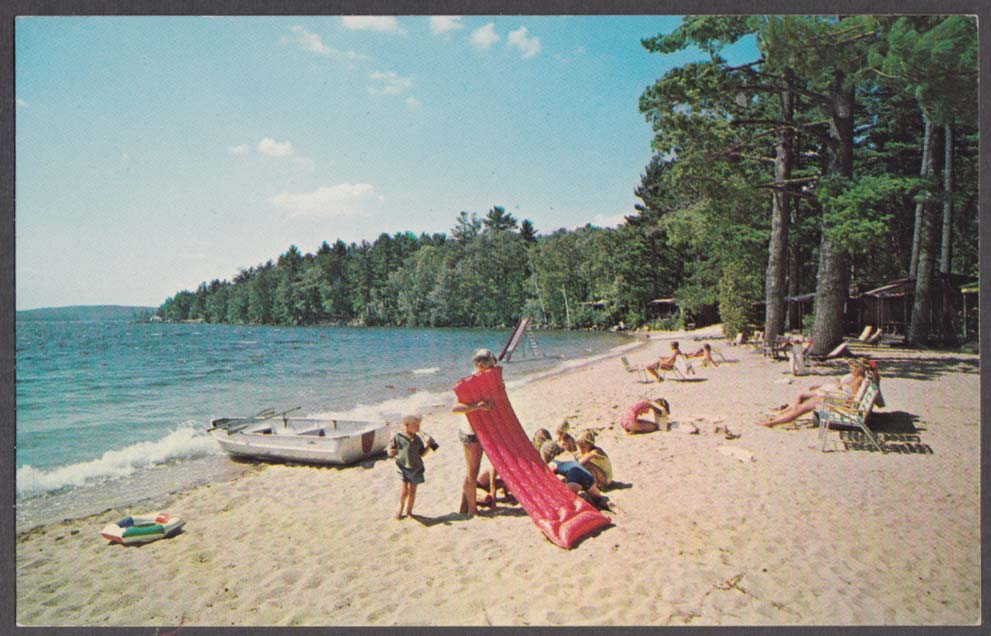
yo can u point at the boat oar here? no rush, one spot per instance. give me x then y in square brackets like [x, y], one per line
[223, 422]
[267, 414]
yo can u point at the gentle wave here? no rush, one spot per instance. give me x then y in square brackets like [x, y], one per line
[394, 408]
[185, 442]
[426, 371]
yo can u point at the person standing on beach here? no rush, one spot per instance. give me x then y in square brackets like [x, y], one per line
[484, 360]
[408, 447]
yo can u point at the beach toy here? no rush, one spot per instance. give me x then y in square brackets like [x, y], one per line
[137, 529]
[561, 515]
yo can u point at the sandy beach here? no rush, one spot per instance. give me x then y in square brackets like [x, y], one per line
[774, 533]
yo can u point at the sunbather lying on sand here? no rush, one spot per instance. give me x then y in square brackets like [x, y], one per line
[809, 400]
[704, 352]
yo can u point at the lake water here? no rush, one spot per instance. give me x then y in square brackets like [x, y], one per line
[113, 413]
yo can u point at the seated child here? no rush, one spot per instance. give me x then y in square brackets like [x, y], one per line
[594, 459]
[408, 447]
[563, 438]
[539, 437]
[575, 476]
[658, 410]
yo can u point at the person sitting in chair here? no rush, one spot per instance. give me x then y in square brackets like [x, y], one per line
[811, 399]
[664, 364]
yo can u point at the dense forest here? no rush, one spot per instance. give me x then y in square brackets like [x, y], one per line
[844, 156]
[97, 313]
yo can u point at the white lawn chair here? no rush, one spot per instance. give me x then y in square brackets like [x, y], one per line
[848, 412]
[635, 368]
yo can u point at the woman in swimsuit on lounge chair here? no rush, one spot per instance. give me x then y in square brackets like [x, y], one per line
[664, 364]
[808, 401]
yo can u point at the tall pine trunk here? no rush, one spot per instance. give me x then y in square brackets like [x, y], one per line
[921, 321]
[946, 245]
[924, 171]
[794, 319]
[777, 258]
[833, 281]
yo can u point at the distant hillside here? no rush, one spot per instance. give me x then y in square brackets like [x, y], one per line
[87, 312]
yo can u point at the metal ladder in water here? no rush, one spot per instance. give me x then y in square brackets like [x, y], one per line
[533, 347]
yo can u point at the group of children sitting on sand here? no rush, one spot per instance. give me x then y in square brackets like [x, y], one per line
[585, 472]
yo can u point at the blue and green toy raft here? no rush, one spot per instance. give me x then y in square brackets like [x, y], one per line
[137, 529]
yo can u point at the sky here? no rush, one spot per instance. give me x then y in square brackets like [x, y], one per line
[156, 153]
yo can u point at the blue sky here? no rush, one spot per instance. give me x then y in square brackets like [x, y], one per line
[154, 153]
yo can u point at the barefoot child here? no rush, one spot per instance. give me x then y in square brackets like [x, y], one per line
[409, 448]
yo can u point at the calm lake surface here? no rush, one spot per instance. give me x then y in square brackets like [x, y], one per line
[111, 413]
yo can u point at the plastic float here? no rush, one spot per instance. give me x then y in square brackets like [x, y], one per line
[137, 529]
[561, 515]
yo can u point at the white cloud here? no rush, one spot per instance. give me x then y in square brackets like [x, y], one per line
[444, 24]
[484, 37]
[273, 148]
[388, 83]
[413, 103]
[601, 220]
[21, 103]
[343, 199]
[528, 45]
[382, 23]
[310, 41]
[313, 43]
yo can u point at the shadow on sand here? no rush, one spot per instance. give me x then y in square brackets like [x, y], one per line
[895, 431]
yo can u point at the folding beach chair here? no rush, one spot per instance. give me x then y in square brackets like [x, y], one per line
[848, 412]
[796, 358]
[866, 333]
[683, 367]
[875, 338]
[638, 369]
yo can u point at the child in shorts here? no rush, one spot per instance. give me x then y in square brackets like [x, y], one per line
[408, 447]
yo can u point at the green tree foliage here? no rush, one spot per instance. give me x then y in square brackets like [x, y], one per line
[854, 85]
[739, 290]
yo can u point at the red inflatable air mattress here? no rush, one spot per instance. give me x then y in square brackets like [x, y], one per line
[560, 514]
